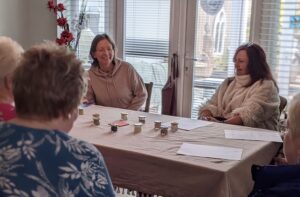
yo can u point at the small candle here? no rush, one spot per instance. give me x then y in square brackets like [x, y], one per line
[174, 126]
[142, 119]
[96, 115]
[114, 128]
[163, 130]
[137, 127]
[157, 124]
[96, 119]
[80, 111]
[124, 116]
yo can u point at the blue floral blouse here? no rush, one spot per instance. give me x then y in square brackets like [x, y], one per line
[36, 162]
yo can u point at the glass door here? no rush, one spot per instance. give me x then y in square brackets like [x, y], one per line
[146, 43]
[220, 28]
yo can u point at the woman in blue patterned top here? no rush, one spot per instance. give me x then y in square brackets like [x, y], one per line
[37, 156]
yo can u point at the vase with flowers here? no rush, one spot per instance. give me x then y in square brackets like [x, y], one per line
[66, 37]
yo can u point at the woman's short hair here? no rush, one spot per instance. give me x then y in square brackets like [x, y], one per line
[10, 54]
[258, 67]
[293, 116]
[48, 83]
[93, 48]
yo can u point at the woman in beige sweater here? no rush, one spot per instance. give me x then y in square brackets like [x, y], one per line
[113, 82]
[249, 98]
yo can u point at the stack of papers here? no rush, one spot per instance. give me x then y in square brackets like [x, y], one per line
[219, 152]
[272, 136]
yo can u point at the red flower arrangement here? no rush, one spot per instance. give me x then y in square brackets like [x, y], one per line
[66, 36]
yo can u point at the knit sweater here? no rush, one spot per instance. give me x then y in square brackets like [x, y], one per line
[123, 88]
[257, 105]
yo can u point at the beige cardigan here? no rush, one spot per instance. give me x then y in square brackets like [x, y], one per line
[257, 105]
[123, 88]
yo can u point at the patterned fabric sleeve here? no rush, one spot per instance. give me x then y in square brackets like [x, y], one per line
[36, 162]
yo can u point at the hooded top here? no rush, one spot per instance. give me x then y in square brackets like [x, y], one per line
[123, 88]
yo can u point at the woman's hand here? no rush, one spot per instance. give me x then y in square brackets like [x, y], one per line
[236, 120]
[207, 115]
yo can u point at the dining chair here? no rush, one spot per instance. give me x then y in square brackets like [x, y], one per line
[149, 87]
[283, 103]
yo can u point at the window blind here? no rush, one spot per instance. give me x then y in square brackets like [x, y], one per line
[146, 44]
[220, 29]
[280, 37]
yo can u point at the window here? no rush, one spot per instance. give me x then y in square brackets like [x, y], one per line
[280, 36]
[145, 35]
[146, 47]
[219, 34]
[215, 44]
[96, 20]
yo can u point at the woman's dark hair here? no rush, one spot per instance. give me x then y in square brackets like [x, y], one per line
[93, 48]
[257, 66]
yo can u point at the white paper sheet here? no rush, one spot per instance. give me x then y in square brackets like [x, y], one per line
[219, 152]
[189, 124]
[254, 135]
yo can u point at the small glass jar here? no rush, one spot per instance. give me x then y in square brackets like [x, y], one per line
[163, 130]
[124, 116]
[174, 126]
[96, 115]
[114, 128]
[80, 111]
[142, 119]
[157, 124]
[137, 127]
[96, 119]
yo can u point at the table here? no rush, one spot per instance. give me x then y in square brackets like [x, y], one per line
[148, 162]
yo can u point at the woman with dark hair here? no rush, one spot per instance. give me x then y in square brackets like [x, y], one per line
[249, 98]
[38, 157]
[113, 82]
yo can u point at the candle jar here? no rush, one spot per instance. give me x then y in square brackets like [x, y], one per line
[96, 119]
[124, 116]
[174, 126]
[163, 130]
[142, 119]
[114, 128]
[157, 124]
[80, 111]
[137, 127]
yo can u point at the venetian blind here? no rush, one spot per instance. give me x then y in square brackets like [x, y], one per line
[280, 37]
[146, 42]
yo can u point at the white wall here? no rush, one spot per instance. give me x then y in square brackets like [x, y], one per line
[27, 21]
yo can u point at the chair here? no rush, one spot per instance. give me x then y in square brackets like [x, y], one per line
[283, 103]
[149, 91]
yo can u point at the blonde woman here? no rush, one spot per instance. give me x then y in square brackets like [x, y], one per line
[10, 53]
